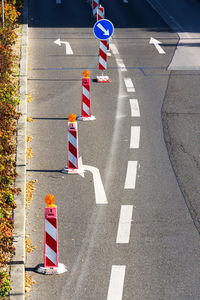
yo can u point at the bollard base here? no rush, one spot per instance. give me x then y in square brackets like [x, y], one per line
[91, 118]
[66, 170]
[103, 79]
[51, 271]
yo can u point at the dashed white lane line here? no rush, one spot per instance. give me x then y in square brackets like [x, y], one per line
[121, 64]
[135, 137]
[135, 110]
[115, 290]
[114, 49]
[129, 85]
[131, 175]
[124, 227]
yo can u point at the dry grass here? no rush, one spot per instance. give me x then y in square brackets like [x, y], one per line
[28, 282]
[29, 139]
[30, 189]
[28, 244]
[29, 98]
[29, 153]
[29, 119]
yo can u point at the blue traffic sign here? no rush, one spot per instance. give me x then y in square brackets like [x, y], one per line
[103, 29]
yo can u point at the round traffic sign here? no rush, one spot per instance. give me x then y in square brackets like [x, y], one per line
[103, 29]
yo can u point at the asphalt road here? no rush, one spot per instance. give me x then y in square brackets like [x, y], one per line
[160, 258]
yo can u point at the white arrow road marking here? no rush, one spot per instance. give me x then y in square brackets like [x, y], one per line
[105, 32]
[124, 227]
[80, 163]
[100, 194]
[68, 47]
[156, 44]
[115, 290]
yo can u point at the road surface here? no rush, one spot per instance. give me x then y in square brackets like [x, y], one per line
[143, 243]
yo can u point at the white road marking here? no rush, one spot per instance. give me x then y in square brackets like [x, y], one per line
[68, 47]
[114, 49]
[100, 194]
[129, 85]
[121, 64]
[135, 110]
[105, 32]
[124, 227]
[156, 43]
[131, 175]
[115, 290]
[135, 137]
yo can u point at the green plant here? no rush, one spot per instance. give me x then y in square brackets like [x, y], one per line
[5, 286]
[9, 99]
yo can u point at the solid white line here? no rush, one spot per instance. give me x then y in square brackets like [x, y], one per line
[135, 110]
[114, 49]
[135, 137]
[115, 290]
[129, 85]
[131, 175]
[124, 227]
[121, 64]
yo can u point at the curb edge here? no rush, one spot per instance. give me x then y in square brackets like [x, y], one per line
[18, 262]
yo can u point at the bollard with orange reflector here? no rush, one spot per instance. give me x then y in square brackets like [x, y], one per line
[86, 114]
[51, 265]
[72, 151]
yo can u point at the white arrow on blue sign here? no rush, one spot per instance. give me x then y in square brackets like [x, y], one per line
[103, 29]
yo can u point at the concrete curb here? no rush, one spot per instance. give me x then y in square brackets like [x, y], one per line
[18, 262]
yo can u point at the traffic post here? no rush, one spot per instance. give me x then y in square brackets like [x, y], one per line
[72, 151]
[95, 5]
[86, 114]
[100, 16]
[103, 30]
[51, 264]
[103, 61]
[100, 13]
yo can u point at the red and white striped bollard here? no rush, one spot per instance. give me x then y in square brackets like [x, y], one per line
[100, 13]
[86, 114]
[103, 61]
[95, 5]
[72, 151]
[51, 265]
